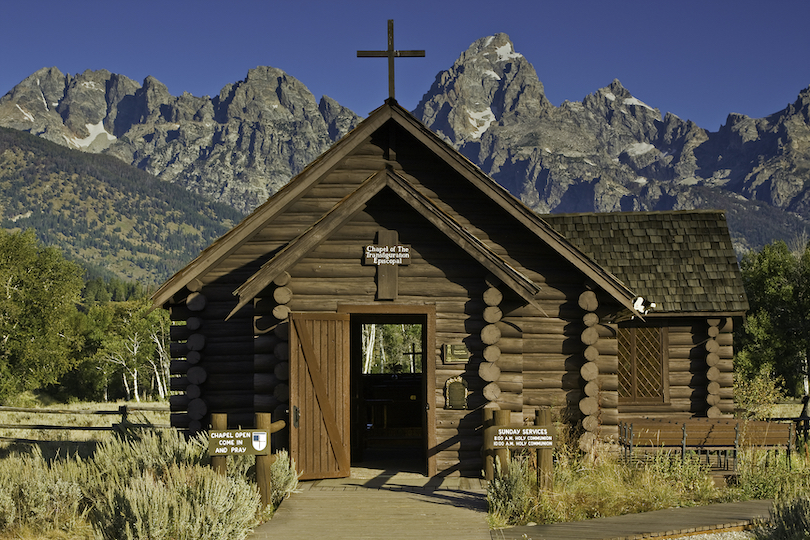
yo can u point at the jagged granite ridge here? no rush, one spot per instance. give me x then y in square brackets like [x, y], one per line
[238, 147]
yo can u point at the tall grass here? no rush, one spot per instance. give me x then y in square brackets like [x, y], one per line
[598, 484]
[790, 520]
[148, 484]
[601, 484]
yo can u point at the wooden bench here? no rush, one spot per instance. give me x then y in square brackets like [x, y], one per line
[705, 436]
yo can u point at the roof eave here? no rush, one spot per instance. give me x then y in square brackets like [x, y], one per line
[277, 203]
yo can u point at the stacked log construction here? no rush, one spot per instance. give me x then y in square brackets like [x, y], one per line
[552, 349]
[599, 404]
[271, 390]
[720, 368]
[502, 366]
[210, 362]
[435, 276]
[699, 362]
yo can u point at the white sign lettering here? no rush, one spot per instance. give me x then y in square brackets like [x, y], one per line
[521, 436]
[392, 255]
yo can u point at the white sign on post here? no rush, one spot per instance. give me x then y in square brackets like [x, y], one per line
[237, 442]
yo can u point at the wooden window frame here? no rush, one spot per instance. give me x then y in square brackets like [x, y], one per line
[663, 341]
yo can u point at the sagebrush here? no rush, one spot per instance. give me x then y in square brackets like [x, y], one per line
[148, 484]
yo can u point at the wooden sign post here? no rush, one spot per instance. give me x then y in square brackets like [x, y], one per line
[500, 438]
[223, 442]
[545, 460]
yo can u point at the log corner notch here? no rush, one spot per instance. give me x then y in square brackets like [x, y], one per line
[489, 371]
[271, 351]
[187, 350]
[719, 367]
[589, 405]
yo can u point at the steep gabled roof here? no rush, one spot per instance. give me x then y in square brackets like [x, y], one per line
[312, 174]
[682, 260]
[264, 213]
[349, 206]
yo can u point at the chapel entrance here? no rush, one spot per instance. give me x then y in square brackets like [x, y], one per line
[388, 394]
[350, 409]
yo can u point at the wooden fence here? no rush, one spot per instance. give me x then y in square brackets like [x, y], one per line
[721, 438]
[123, 412]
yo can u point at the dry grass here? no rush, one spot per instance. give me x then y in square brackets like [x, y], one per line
[53, 442]
[149, 483]
[600, 484]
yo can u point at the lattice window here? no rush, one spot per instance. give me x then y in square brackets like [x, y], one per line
[641, 365]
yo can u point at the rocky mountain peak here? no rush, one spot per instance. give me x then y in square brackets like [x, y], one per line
[802, 105]
[238, 147]
[487, 84]
[609, 152]
[339, 119]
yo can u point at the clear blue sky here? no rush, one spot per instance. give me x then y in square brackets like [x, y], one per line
[698, 59]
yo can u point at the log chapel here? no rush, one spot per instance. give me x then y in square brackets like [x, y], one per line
[597, 316]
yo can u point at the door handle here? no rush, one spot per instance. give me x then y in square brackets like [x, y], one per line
[296, 414]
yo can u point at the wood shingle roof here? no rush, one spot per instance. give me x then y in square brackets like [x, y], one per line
[681, 260]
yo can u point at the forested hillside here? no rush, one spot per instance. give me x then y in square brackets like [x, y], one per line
[112, 217]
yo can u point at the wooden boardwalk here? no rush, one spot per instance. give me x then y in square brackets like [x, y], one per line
[400, 506]
[669, 523]
[375, 505]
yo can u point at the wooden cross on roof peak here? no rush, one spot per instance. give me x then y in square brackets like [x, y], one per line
[390, 54]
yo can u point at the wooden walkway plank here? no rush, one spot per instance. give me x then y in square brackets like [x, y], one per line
[414, 507]
[400, 506]
[659, 524]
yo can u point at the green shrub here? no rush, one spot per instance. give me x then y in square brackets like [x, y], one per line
[767, 474]
[283, 478]
[154, 484]
[182, 503]
[8, 510]
[757, 397]
[34, 494]
[509, 493]
[148, 449]
[790, 520]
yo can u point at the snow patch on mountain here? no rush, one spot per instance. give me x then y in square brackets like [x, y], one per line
[639, 149]
[481, 121]
[28, 116]
[635, 101]
[95, 131]
[507, 52]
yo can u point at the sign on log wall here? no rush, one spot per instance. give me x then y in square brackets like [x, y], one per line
[518, 436]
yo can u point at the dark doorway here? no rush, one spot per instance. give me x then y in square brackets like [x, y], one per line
[388, 391]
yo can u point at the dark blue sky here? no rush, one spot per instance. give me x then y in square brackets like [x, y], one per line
[697, 59]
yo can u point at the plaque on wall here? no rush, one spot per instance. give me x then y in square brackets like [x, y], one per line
[455, 353]
[455, 394]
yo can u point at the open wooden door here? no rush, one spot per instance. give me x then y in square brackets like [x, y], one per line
[320, 394]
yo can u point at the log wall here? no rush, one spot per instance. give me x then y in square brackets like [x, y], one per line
[555, 351]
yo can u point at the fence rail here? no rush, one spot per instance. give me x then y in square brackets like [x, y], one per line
[719, 438]
[123, 411]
